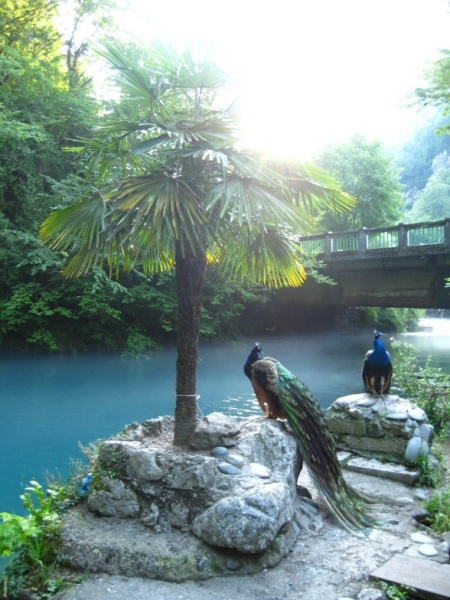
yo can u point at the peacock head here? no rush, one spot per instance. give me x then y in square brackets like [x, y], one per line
[256, 352]
[254, 355]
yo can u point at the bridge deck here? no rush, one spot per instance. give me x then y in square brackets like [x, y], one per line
[402, 266]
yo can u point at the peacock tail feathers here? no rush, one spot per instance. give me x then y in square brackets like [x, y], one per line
[286, 397]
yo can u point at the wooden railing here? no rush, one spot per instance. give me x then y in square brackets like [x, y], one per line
[429, 237]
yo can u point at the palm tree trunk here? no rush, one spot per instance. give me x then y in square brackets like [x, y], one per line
[190, 275]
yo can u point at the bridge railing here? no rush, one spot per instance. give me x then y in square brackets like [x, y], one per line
[401, 238]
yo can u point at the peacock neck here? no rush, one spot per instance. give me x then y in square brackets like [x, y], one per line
[252, 358]
[379, 346]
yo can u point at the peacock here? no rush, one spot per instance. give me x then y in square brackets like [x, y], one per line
[281, 395]
[377, 368]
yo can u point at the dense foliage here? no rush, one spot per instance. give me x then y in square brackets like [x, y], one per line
[366, 172]
[383, 319]
[424, 385]
[416, 156]
[437, 91]
[433, 202]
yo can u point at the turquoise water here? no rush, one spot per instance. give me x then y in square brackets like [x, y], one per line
[51, 404]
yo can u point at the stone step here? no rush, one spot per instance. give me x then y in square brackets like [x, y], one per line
[376, 468]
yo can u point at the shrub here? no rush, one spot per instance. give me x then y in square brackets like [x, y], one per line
[438, 507]
[425, 385]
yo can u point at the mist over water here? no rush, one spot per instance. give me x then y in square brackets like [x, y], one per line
[51, 404]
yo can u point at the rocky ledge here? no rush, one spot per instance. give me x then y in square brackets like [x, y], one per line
[230, 503]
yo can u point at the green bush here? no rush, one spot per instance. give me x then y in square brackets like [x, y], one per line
[438, 507]
[386, 319]
[424, 385]
[131, 316]
[32, 540]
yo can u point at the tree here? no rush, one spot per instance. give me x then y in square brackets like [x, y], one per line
[437, 92]
[433, 203]
[366, 172]
[174, 191]
[415, 155]
[43, 105]
[40, 111]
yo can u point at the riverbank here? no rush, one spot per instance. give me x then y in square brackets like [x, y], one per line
[327, 562]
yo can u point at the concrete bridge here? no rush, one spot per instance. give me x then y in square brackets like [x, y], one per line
[400, 266]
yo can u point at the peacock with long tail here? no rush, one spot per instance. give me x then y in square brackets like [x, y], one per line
[377, 368]
[281, 395]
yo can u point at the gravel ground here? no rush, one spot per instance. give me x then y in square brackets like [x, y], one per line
[327, 563]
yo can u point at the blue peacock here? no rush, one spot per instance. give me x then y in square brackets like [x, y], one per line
[377, 368]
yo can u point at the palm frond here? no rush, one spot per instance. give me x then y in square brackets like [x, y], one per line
[246, 199]
[189, 71]
[269, 258]
[82, 262]
[134, 82]
[313, 187]
[84, 220]
[167, 207]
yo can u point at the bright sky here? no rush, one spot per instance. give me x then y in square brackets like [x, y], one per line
[312, 72]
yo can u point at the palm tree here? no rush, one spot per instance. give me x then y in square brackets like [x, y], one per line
[177, 192]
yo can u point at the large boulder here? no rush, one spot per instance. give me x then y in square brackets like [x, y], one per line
[248, 523]
[234, 489]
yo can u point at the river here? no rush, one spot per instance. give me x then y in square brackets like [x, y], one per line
[51, 404]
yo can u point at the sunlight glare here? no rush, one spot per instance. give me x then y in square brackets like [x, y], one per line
[311, 73]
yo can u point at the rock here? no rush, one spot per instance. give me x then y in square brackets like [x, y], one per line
[446, 537]
[427, 550]
[421, 515]
[426, 432]
[235, 459]
[422, 494]
[444, 547]
[115, 501]
[417, 414]
[404, 500]
[143, 465]
[260, 471]
[435, 465]
[215, 429]
[421, 538]
[365, 402]
[248, 523]
[371, 594]
[228, 469]
[150, 517]
[219, 452]
[415, 449]
[356, 414]
[398, 416]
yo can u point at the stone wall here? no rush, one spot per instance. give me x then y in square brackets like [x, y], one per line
[389, 428]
